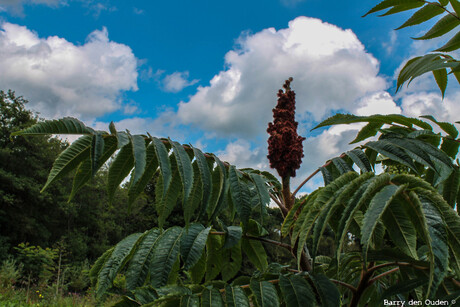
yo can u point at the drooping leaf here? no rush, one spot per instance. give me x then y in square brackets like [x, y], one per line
[240, 195]
[233, 236]
[165, 255]
[193, 244]
[214, 257]
[262, 193]
[360, 159]
[114, 263]
[447, 127]
[255, 251]
[135, 189]
[296, 291]
[222, 200]
[329, 295]
[443, 26]
[139, 265]
[190, 301]
[235, 297]
[452, 45]
[390, 3]
[69, 159]
[119, 169]
[367, 131]
[211, 298]
[164, 162]
[265, 293]
[397, 154]
[377, 207]
[205, 177]
[140, 157]
[440, 76]
[97, 150]
[166, 204]
[185, 168]
[425, 13]
[232, 261]
[289, 220]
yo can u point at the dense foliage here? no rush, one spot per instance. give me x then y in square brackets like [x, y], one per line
[396, 234]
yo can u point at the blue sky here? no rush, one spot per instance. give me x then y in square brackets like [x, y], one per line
[207, 72]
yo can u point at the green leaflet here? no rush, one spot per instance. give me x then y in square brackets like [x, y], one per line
[119, 169]
[140, 157]
[255, 251]
[115, 263]
[447, 127]
[377, 207]
[347, 194]
[339, 119]
[139, 265]
[164, 162]
[196, 196]
[452, 45]
[166, 204]
[240, 195]
[205, 177]
[217, 190]
[69, 159]
[193, 243]
[189, 301]
[211, 298]
[326, 196]
[341, 165]
[440, 251]
[222, 202]
[84, 170]
[66, 125]
[233, 236]
[360, 159]
[262, 193]
[329, 295]
[443, 26]
[97, 150]
[185, 169]
[455, 6]
[297, 291]
[232, 260]
[289, 219]
[297, 225]
[387, 149]
[97, 266]
[440, 77]
[367, 131]
[214, 258]
[425, 13]
[400, 229]
[390, 3]
[122, 139]
[265, 293]
[164, 256]
[235, 297]
[135, 189]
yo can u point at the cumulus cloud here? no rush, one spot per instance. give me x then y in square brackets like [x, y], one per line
[331, 70]
[177, 81]
[60, 78]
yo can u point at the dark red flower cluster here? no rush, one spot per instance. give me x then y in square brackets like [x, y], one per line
[285, 150]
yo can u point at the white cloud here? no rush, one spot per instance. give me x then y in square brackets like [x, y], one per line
[177, 81]
[331, 70]
[60, 78]
[241, 154]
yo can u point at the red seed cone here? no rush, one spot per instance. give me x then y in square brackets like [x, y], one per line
[285, 149]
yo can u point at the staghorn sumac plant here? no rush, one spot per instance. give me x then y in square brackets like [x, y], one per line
[396, 233]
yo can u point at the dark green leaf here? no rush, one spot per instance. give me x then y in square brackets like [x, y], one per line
[119, 169]
[240, 195]
[235, 297]
[265, 293]
[66, 125]
[425, 13]
[443, 26]
[255, 251]
[297, 291]
[329, 295]
[211, 298]
[193, 243]
[140, 157]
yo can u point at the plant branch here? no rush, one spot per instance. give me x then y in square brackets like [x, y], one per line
[277, 243]
[348, 286]
[304, 182]
[371, 281]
